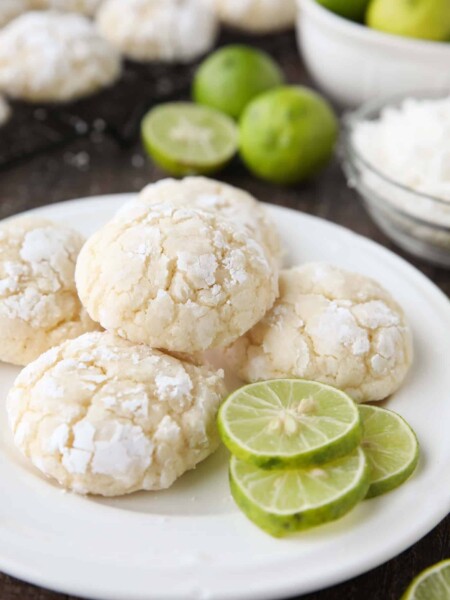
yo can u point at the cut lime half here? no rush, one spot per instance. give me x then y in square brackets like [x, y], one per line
[391, 447]
[289, 423]
[431, 584]
[187, 139]
[290, 500]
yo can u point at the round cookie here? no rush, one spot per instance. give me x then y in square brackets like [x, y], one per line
[54, 57]
[332, 326]
[103, 416]
[209, 195]
[158, 30]
[10, 9]
[175, 278]
[85, 7]
[39, 305]
[255, 16]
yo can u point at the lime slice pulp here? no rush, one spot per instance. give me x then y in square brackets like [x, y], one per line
[289, 423]
[290, 500]
[186, 139]
[431, 584]
[391, 448]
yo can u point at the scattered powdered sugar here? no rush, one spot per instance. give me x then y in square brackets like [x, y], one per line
[201, 269]
[59, 438]
[128, 447]
[173, 388]
[336, 326]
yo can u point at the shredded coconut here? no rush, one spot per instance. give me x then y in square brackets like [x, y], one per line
[410, 145]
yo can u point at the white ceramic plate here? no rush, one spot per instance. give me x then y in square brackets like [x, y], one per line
[191, 541]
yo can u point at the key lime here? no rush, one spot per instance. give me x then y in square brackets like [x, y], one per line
[425, 19]
[354, 10]
[391, 448]
[287, 134]
[289, 423]
[232, 76]
[432, 584]
[187, 139]
[285, 501]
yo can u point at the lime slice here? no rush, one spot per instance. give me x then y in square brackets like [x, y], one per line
[187, 139]
[289, 500]
[431, 584]
[289, 423]
[391, 447]
[232, 76]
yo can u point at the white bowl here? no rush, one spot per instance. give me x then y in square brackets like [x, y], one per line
[353, 63]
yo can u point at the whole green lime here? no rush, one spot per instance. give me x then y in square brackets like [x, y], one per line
[424, 19]
[354, 10]
[232, 76]
[287, 135]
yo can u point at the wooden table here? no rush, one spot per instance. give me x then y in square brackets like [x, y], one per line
[96, 164]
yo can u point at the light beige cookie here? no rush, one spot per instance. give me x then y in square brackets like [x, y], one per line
[103, 416]
[255, 16]
[10, 9]
[85, 7]
[236, 205]
[158, 30]
[54, 57]
[39, 305]
[332, 326]
[175, 278]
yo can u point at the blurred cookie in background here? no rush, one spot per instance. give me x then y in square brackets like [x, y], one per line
[255, 16]
[171, 31]
[85, 7]
[55, 57]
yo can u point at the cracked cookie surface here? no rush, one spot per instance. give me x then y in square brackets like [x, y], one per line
[180, 279]
[103, 416]
[39, 305]
[236, 205]
[332, 326]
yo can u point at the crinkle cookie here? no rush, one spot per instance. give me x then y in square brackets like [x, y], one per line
[255, 16]
[180, 279]
[85, 7]
[331, 326]
[216, 197]
[10, 9]
[158, 30]
[103, 416]
[39, 305]
[54, 57]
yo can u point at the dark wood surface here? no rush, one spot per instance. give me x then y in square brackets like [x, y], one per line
[98, 164]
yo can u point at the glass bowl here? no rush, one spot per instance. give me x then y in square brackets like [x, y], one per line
[417, 222]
